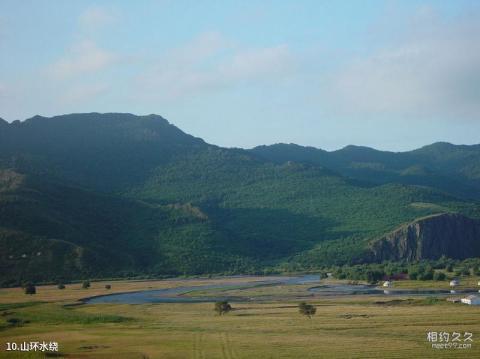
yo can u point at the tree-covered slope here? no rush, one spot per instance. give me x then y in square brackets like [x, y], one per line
[451, 168]
[113, 194]
[107, 152]
[49, 231]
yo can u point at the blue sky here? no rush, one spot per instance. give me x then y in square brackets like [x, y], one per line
[392, 75]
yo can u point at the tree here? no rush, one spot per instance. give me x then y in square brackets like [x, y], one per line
[61, 286]
[307, 309]
[108, 286]
[439, 276]
[222, 307]
[427, 274]
[374, 275]
[86, 284]
[30, 289]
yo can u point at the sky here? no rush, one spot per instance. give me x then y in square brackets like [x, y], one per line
[393, 75]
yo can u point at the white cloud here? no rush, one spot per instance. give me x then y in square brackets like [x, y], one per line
[82, 58]
[95, 17]
[259, 64]
[209, 63]
[432, 72]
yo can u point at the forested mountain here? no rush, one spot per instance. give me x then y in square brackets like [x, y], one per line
[447, 167]
[116, 194]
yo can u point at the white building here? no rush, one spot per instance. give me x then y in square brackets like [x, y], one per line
[454, 282]
[471, 300]
[387, 283]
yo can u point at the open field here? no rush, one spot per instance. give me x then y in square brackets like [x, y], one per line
[346, 327]
[74, 292]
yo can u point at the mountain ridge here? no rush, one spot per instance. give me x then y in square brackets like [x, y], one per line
[135, 194]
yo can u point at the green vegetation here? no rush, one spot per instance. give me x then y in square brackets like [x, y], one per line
[345, 327]
[423, 270]
[307, 309]
[30, 289]
[117, 195]
[222, 307]
[449, 168]
[86, 284]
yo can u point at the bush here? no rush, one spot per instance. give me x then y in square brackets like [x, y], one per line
[374, 276]
[108, 286]
[307, 309]
[439, 276]
[30, 289]
[61, 286]
[222, 307]
[86, 284]
[427, 275]
[14, 322]
[413, 273]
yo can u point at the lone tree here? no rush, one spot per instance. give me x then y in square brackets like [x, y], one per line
[222, 307]
[61, 286]
[86, 284]
[307, 309]
[108, 286]
[30, 289]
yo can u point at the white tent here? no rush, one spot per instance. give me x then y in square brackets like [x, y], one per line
[471, 300]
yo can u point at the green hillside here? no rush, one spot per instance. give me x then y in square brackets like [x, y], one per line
[117, 195]
[447, 167]
[53, 232]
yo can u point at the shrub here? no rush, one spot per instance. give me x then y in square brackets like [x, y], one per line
[14, 322]
[108, 286]
[307, 309]
[30, 289]
[61, 286]
[222, 307]
[427, 275]
[86, 284]
[439, 276]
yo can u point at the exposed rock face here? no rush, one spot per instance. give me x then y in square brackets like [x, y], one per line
[452, 235]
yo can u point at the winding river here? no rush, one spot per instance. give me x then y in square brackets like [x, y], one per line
[176, 295]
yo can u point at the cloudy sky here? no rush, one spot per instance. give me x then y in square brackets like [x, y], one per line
[392, 75]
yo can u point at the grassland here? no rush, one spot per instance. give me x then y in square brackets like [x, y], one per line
[344, 327]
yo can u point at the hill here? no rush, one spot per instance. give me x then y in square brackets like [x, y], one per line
[118, 194]
[451, 168]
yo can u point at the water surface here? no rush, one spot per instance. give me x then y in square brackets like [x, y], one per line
[176, 295]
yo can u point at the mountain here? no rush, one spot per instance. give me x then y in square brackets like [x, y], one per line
[50, 231]
[117, 195]
[431, 237]
[451, 168]
[106, 152]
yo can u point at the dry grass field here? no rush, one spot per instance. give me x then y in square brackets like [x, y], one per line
[343, 327]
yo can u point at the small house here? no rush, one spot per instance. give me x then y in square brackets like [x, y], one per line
[471, 300]
[387, 283]
[454, 282]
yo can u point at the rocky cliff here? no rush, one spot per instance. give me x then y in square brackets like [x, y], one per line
[452, 235]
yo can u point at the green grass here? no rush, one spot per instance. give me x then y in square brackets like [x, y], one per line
[343, 327]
